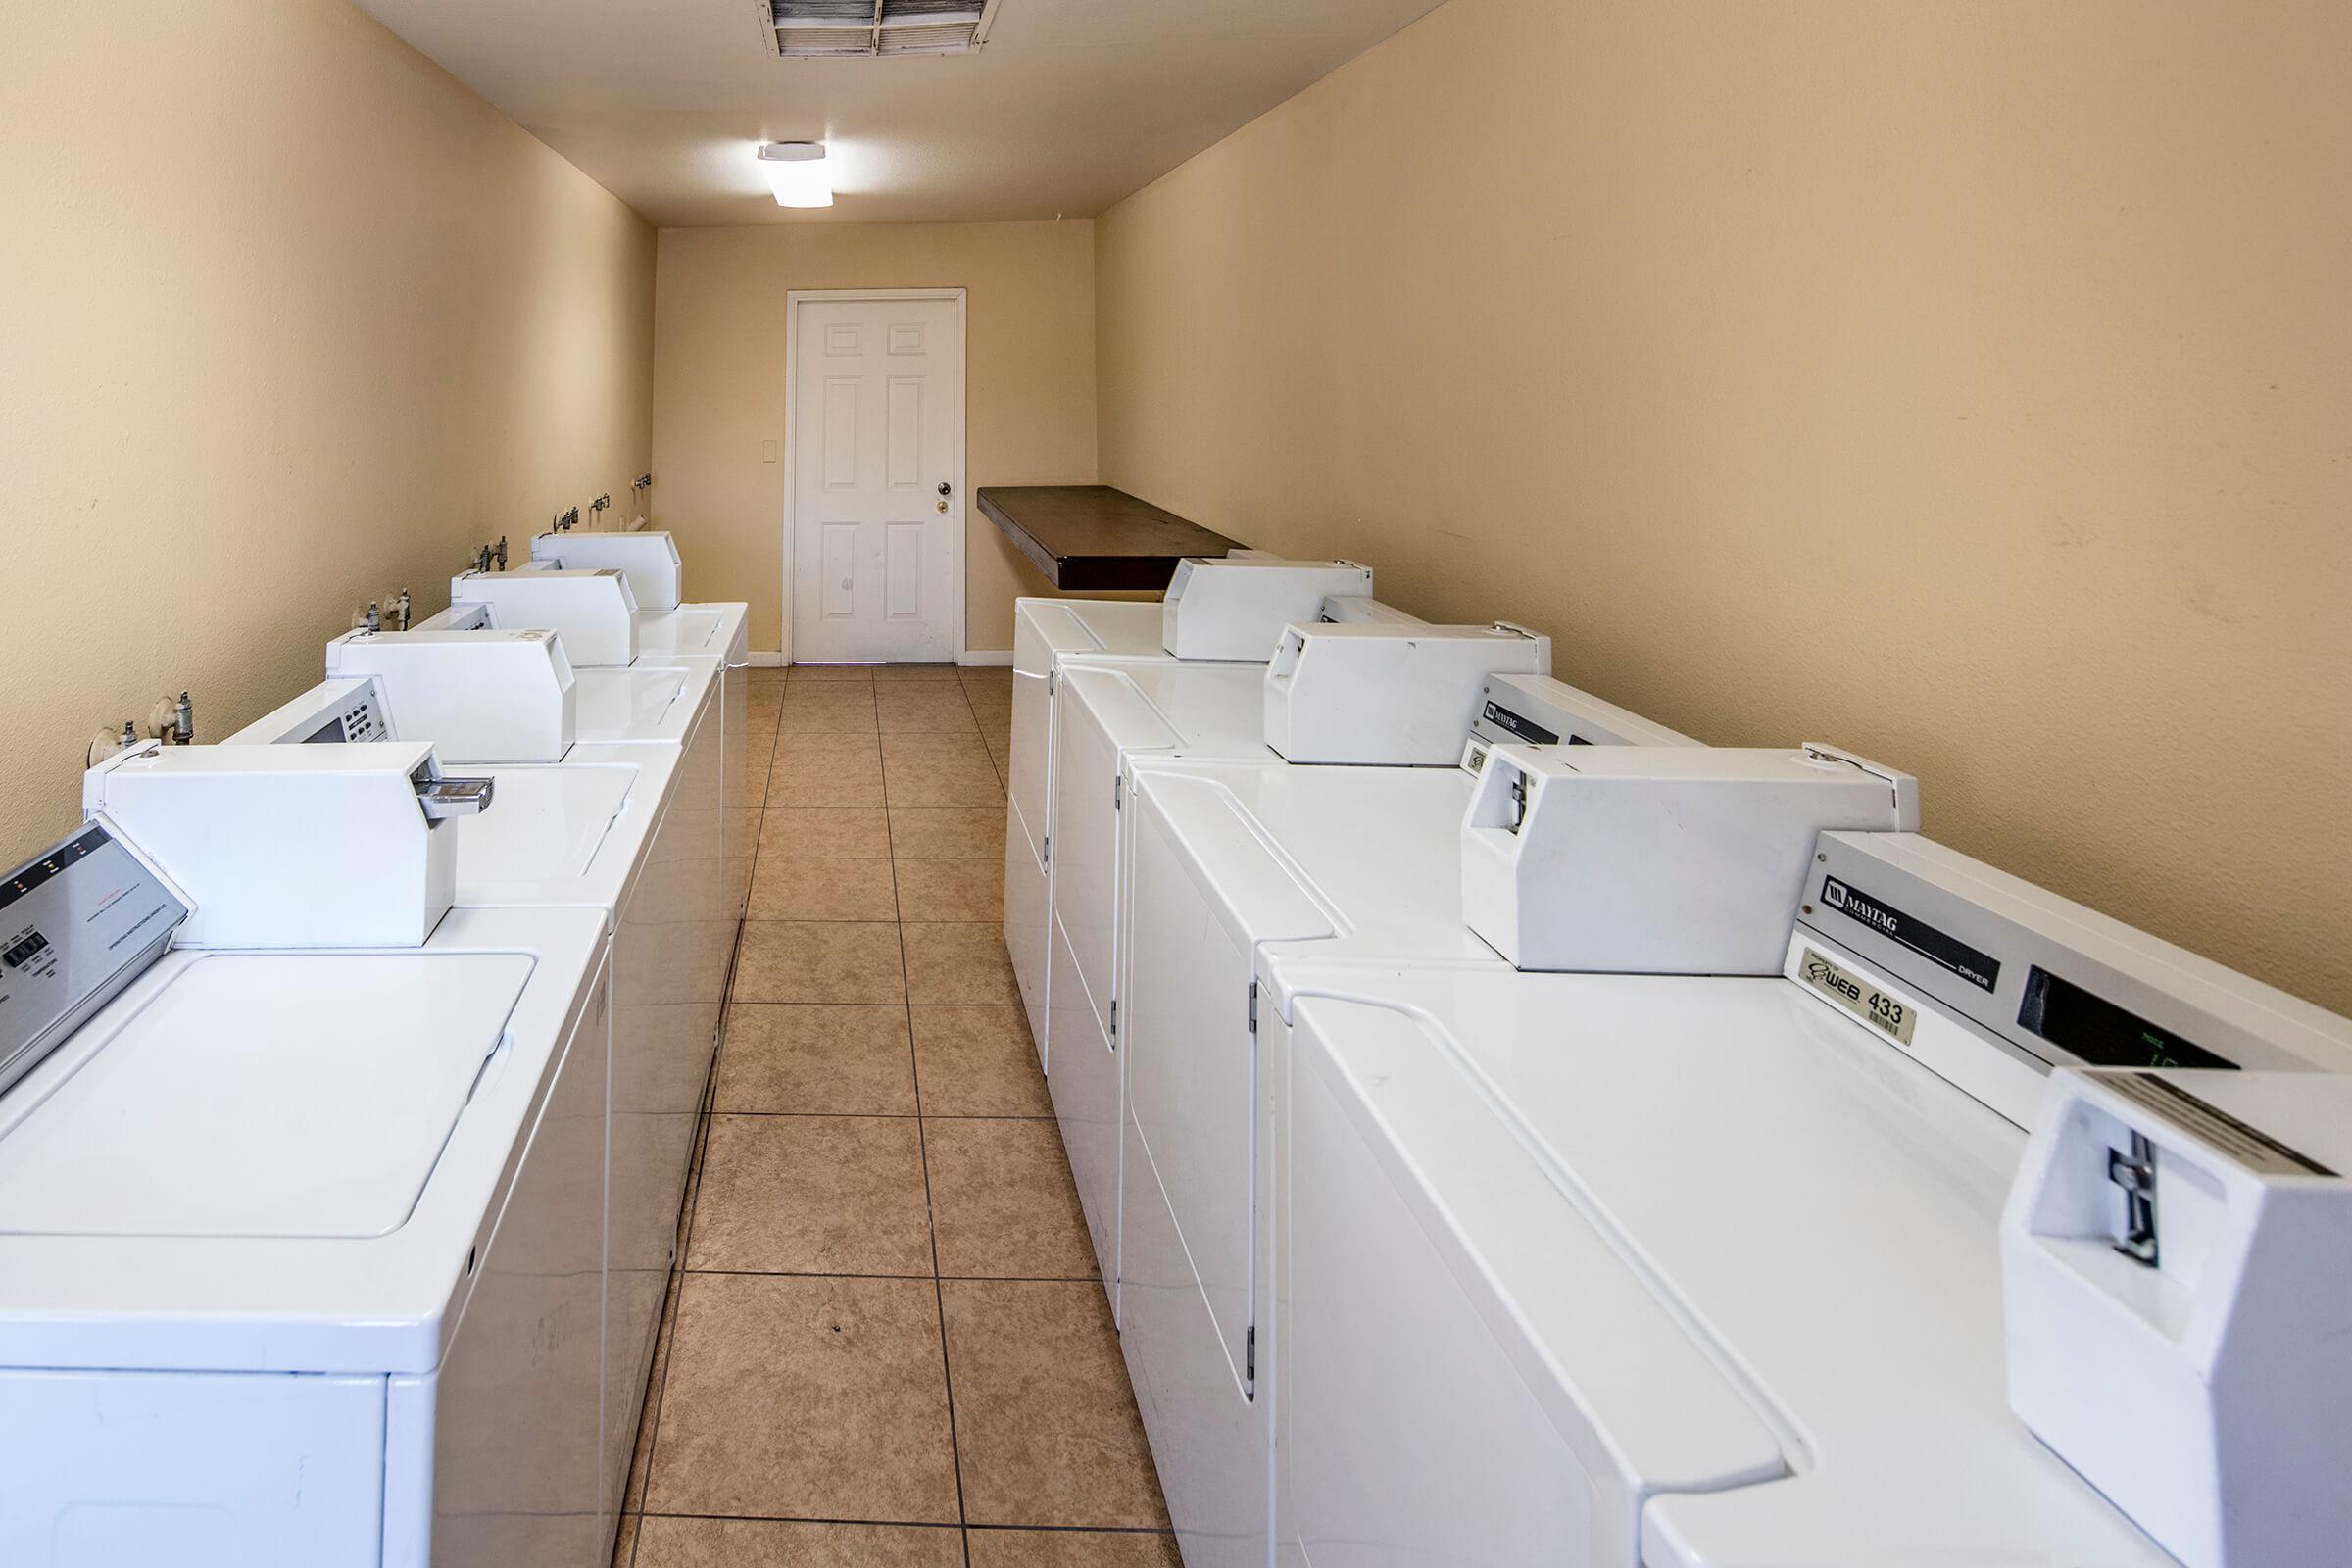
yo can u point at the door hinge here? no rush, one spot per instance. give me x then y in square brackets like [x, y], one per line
[1051, 675]
[1114, 1017]
[1253, 1006]
[1118, 792]
[1045, 851]
[1250, 1361]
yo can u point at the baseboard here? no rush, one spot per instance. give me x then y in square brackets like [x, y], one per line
[974, 658]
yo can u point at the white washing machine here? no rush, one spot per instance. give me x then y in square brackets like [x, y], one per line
[671, 630]
[607, 628]
[1702, 1270]
[300, 1181]
[630, 829]
[1107, 714]
[1229, 859]
[1224, 610]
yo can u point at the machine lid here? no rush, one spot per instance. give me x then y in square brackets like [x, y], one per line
[684, 630]
[1825, 1211]
[1632, 1388]
[545, 824]
[1113, 626]
[262, 1095]
[627, 704]
[1205, 710]
[1378, 849]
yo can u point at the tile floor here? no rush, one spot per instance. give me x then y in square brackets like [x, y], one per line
[886, 1344]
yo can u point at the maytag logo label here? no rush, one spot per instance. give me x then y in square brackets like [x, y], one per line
[1979, 969]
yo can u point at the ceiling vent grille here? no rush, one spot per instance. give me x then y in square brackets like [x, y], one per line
[851, 28]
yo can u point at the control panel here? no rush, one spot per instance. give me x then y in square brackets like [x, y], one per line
[2052, 983]
[79, 924]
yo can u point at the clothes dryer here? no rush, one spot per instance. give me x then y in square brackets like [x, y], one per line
[1229, 858]
[1702, 1269]
[1109, 715]
[1229, 609]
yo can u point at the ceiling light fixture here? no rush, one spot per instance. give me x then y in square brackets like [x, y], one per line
[797, 172]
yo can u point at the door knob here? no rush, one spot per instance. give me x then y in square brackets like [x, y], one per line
[944, 487]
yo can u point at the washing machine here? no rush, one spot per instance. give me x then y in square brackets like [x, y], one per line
[1230, 608]
[301, 1180]
[1106, 715]
[629, 828]
[1229, 858]
[671, 630]
[620, 646]
[1703, 1268]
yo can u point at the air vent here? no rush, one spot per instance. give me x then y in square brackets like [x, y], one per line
[848, 29]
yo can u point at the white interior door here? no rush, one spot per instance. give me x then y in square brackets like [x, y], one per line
[877, 446]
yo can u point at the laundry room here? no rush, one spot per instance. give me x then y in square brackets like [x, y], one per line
[1175, 784]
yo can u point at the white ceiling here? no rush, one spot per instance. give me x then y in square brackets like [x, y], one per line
[1070, 105]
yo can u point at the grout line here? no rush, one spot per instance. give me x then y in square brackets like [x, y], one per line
[915, 1524]
[939, 1293]
[879, 1116]
[962, 1279]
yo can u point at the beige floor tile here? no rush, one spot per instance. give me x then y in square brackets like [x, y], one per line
[989, 702]
[919, 675]
[807, 675]
[840, 1061]
[977, 1061]
[751, 789]
[624, 1541]
[1001, 1197]
[809, 770]
[957, 963]
[795, 1543]
[951, 890]
[813, 1398]
[1044, 1423]
[832, 961]
[946, 832]
[814, 789]
[907, 708]
[825, 832]
[815, 1194]
[931, 750]
[835, 753]
[988, 675]
[1069, 1549]
[791, 889]
[845, 711]
[947, 781]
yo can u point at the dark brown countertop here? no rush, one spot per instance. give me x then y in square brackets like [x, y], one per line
[1090, 536]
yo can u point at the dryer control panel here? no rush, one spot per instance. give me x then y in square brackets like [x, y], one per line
[79, 924]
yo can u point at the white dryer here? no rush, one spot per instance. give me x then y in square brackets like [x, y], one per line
[1229, 859]
[1682, 1271]
[300, 1241]
[1229, 610]
[1106, 715]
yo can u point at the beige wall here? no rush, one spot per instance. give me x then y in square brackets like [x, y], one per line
[1966, 384]
[719, 378]
[289, 319]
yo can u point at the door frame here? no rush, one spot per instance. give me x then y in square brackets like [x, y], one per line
[793, 300]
